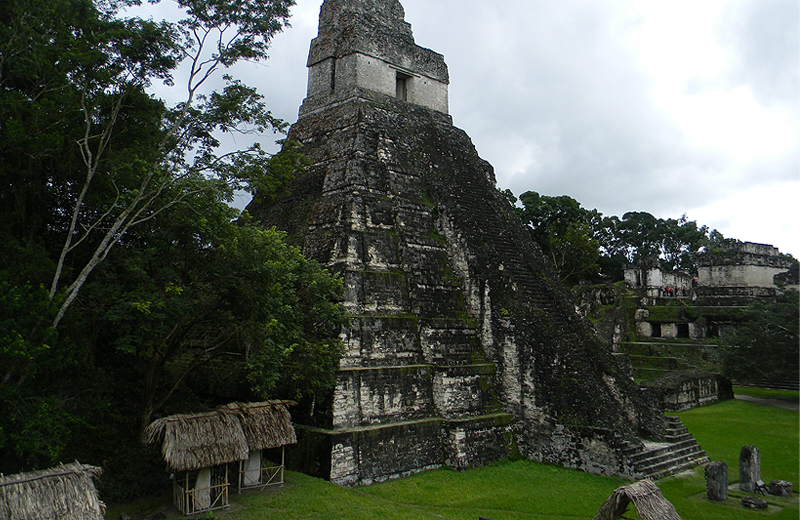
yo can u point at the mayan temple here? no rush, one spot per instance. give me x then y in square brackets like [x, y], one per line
[463, 347]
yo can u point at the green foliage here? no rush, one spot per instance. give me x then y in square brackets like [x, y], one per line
[122, 261]
[197, 291]
[764, 345]
[565, 232]
[583, 245]
[675, 242]
[87, 155]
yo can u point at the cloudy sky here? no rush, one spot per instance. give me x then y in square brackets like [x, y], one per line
[667, 107]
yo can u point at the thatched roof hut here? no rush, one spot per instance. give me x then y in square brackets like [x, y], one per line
[266, 425]
[647, 498]
[198, 441]
[64, 492]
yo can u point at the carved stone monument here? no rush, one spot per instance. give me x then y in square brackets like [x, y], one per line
[463, 345]
[749, 468]
[717, 481]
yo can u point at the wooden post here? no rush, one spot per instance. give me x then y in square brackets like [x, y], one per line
[283, 461]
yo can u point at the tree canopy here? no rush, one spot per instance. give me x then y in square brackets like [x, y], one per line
[765, 346]
[584, 245]
[123, 262]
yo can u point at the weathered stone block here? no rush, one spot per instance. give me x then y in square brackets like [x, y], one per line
[717, 481]
[644, 329]
[477, 441]
[462, 391]
[754, 503]
[780, 488]
[749, 468]
[669, 330]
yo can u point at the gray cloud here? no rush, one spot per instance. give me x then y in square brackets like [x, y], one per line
[559, 98]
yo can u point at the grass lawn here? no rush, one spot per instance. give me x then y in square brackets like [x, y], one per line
[527, 490]
[722, 430]
[791, 396]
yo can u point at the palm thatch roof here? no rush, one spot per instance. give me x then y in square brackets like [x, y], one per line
[266, 425]
[192, 442]
[64, 492]
[647, 498]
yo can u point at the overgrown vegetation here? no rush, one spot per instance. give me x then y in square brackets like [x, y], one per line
[765, 344]
[125, 272]
[585, 246]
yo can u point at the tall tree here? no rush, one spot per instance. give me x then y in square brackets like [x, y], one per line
[106, 189]
[197, 292]
[674, 242]
[76, 74]
[566, 233]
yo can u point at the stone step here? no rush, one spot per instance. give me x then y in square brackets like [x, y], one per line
[669, 456]
[680, 453]
[500, 417]
[670, 466]
[678, 467]
[678, 438]
[662, 449]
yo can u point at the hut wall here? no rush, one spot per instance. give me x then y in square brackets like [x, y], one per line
[252, 470]
[202, 490]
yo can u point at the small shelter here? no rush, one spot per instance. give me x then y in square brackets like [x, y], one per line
[266, 425]
[198, 449]
[60, 493]
[647, 499]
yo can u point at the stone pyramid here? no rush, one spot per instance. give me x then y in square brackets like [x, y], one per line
[463, 348]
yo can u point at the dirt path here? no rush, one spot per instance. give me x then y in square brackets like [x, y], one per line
[786, 405]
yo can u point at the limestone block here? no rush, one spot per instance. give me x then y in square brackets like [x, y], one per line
[644, 329]
[754, 503]
[641, 314]
[780, 488]
[749, 468]
[717, 481]
[669, 330]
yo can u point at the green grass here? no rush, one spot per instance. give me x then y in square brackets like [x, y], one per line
[528, 490]
[722, 430]
[792, 396]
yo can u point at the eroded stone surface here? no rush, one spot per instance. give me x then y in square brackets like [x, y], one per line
[716, 474]
[463, 345]
[754, 503]
[780, 488]
[749, 468]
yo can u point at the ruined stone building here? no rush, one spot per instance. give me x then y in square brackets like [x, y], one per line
[739, 272]
[743, 271]
[463, 346]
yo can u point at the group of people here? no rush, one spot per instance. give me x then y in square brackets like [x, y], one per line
[673, 292]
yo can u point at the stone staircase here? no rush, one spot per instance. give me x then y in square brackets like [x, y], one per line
[679, 452]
